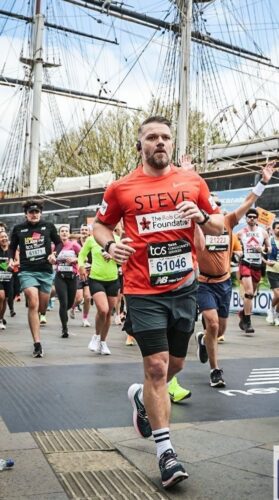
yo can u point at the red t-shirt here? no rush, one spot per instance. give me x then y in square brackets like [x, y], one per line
[165, 256]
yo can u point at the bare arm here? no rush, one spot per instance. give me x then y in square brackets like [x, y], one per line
[250, 199]
[214, 226]
[102, 233]
[120, 251]
[189, 210]
[267, 244]
[199, 239]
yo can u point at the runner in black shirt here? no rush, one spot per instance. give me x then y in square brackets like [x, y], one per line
[34, 238]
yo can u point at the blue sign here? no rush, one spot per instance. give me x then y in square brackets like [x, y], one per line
[231, 200]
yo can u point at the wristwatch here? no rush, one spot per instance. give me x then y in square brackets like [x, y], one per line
[107, 245]
[206, 217]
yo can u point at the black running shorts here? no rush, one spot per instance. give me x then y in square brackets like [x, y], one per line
[163, 322]
[110, 288]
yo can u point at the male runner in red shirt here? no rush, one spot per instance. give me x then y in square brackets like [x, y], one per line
[159, 204]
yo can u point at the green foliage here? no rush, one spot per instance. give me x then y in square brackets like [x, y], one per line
[110, 144]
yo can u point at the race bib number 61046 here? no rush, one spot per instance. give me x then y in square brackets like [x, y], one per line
[169, 261]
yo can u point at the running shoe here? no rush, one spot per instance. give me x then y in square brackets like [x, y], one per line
[270, 319]
[216, 378]
[12, 313]
[249, 330]
[43, 320]
[176, 392]
[2, 325]
[85, 322]
[72, 313]
[140, 418]
[65, 333]
[117, 319]
[242, 322]
[172, 472]
[94, 343]
[201, 351]
[276, 322]
[130, 340]
[103, 349]
[221, 339]
[38, 351]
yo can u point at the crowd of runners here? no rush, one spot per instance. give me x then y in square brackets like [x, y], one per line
[158, 255]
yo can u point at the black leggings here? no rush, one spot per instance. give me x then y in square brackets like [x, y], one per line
[66, 291]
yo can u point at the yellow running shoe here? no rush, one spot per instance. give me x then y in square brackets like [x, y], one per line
[176, 392]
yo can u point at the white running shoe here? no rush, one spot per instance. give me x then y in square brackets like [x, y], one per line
[85, 322]
[270, 319]
[117, 320]
[94, 343]
[2, 326]
[103, 349]
[43, 320]
[276, 322]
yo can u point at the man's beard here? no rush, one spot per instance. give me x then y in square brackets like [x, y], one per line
[158, 163]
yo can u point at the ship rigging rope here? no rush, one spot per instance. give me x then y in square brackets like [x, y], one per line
[113, 94]
[243, 17]
[82, 158]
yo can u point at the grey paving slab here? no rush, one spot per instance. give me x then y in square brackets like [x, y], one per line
[31, 475]
[262, 430]
[270, 446]
[256, 460]
[119, 434]
[212, 481]
[18, 441]
[193, 445]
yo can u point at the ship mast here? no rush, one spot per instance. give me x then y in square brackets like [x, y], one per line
[37, 70]
[185, 8]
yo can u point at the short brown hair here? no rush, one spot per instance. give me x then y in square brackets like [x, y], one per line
[156, 119]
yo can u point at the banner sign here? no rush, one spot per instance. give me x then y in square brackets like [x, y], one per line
[261, 303]
[266, 218]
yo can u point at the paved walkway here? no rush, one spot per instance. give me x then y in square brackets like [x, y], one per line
[66, 421]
